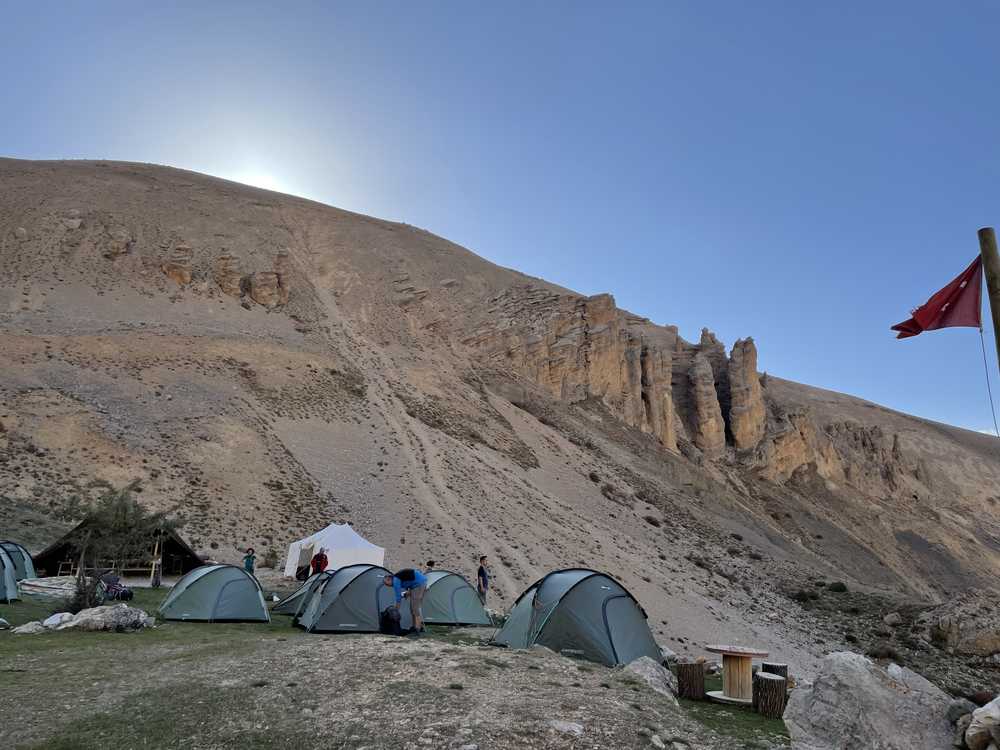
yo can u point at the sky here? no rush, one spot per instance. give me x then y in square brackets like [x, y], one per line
[803, 173]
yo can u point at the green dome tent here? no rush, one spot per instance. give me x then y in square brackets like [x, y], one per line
[450, 600]
[349, 600]
[294, 603]
[216, 593]
[580, 612]
[8, 580]
[23, 566]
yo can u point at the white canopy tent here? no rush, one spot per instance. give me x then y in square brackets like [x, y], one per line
[343, 545]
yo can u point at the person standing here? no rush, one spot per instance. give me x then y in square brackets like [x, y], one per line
[483, 579]
[429, 566]
[319, 561]
[414, 583]
[249, 559]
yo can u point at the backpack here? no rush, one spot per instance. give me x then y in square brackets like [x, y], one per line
[302, 573]
[388, 621]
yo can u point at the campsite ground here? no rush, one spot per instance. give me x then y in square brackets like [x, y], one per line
[261, 686]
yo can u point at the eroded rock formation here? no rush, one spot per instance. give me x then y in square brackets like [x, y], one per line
[747, 412]
[226, 273]
[177, 265]
[577, 348]
[709, 428]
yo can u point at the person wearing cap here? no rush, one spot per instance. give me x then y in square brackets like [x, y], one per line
[414, 584]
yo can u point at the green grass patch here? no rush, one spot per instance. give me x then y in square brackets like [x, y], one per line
[197, 716]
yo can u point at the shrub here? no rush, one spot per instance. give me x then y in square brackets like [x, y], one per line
[838, 587]
[652, 521]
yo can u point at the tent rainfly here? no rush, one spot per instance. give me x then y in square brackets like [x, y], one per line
[216, 593]
[583, 613]
[344, 546]
[294, 603]
[348, 600]
[23, 565]
[8, 580]
[449, 600]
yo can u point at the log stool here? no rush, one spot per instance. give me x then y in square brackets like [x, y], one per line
[769, 694]
[691, 680]
[779, 669]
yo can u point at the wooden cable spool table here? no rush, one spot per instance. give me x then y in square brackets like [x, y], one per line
[737, 673]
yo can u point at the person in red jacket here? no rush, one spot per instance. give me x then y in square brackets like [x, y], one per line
[319, 561]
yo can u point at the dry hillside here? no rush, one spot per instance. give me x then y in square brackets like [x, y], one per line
[266, 364]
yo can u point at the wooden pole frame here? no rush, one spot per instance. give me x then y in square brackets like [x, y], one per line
[991, 267]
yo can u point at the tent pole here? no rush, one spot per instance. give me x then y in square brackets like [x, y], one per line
[991, 267]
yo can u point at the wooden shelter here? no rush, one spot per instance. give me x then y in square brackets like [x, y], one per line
[168, 554]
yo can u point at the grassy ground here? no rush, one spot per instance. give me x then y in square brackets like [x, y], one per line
[738, 722]
[252, 686]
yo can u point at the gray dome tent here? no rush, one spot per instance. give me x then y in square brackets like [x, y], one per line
[349, 600]
[580, 612]
[450, 600]
[294, 603]
[8, 579]
[216, 593]
[23, 565]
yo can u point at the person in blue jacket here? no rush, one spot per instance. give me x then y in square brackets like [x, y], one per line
[414, 584]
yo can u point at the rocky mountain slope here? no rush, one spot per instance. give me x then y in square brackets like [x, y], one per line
[266, 364]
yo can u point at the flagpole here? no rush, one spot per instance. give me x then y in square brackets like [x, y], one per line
[991, 267]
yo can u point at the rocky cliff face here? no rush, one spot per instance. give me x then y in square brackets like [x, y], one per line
[747, 413]
[577, 348]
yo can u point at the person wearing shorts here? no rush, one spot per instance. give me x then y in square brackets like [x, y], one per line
[414, 584]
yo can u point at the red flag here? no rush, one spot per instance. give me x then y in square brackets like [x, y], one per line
[958, 304]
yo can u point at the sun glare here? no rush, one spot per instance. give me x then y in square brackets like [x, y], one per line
[261, 180]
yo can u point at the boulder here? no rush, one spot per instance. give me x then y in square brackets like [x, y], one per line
[854, 703]
[20, 234]
[116, 617]
[668, 656]
[54, 621]
[892, 619]
[959, 708]
[960, 726]
[29, 628]
[567, 727]
[747, 413]
[969, 624]
[984, 727]
[658, 677]
[4, 625]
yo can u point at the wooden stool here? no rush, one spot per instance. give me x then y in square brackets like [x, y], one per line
[691, 680]
[769, 694]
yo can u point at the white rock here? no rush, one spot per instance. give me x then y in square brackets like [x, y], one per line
[668, 656]
[567, 727]
[117, 617]
[72, 223]
[4, 625]
[54, 621]
[658, 677]
[854, 703]
[892, 619]
[21, 233]
[985, 721]
[655, 741]
[30, 628]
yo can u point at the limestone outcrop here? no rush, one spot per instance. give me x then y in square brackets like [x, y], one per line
[265, 288]
[226, 273]
[747, 412]
[577, 348]
[177, 265]
[709, 428]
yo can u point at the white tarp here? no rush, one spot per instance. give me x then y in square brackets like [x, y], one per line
[343, 545]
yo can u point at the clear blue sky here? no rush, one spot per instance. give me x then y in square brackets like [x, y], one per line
[801, 172]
